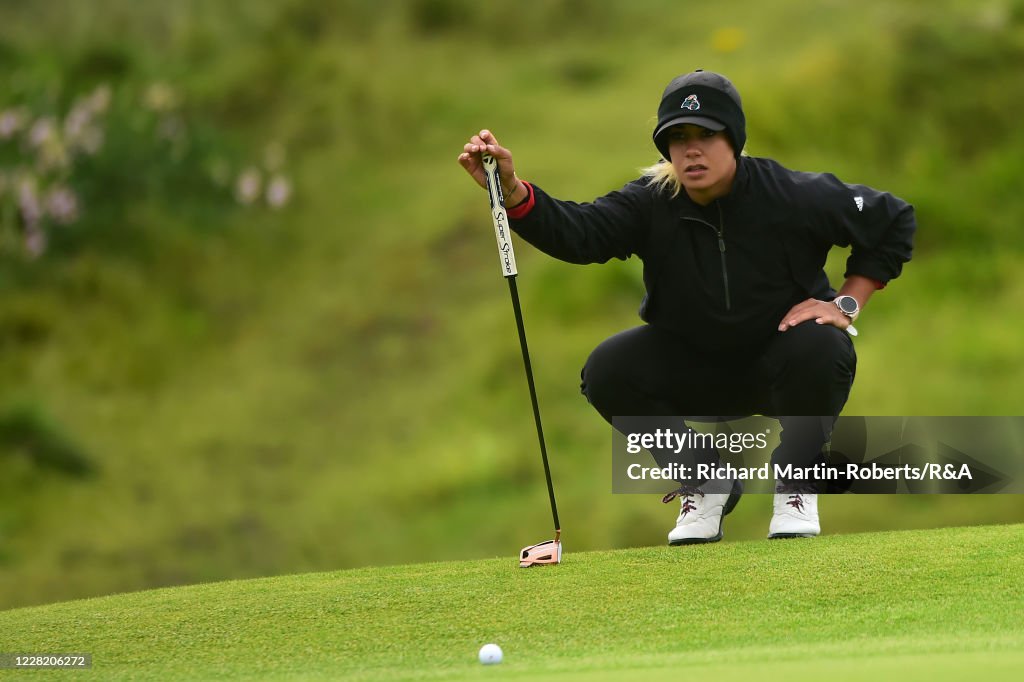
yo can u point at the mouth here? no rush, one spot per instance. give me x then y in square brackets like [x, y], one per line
[696, 170]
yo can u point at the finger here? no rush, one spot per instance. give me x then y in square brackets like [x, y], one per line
[480, 141]
[805, 310]
[493, 147]
[477, 140]
[798, 316]
[840, 321]
[790, 314]
[498, 152]
[473, 168]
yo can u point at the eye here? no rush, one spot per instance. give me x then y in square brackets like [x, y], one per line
[707, 132]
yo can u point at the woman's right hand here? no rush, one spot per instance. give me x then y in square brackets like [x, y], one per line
[472, 160]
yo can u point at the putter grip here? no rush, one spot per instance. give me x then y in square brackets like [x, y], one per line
[506, 254]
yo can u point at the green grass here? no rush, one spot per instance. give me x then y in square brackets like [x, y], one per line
[926, 604]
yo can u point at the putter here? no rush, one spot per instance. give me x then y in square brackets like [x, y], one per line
[549, 551]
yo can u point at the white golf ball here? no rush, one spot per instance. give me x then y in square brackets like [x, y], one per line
[490, 654]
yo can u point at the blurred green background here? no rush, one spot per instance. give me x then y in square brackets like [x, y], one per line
[197, 383]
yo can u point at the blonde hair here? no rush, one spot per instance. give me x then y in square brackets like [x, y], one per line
[663, 176]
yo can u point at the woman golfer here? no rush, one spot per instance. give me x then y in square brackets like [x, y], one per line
[740, 318]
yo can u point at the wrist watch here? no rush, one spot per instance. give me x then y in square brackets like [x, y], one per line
[848, 306]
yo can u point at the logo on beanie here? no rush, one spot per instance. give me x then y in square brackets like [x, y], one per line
[691, 103]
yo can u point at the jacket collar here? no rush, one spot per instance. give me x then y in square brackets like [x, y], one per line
[739, 187]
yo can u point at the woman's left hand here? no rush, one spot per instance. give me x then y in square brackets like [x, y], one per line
[822, 312]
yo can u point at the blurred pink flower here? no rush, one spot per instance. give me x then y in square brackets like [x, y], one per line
[28, 202]
[62, 205]
[82, 130]
[11, 121]
[247, 187]
[279, 191]
[35, 241]
[76, 122]
[43, 130]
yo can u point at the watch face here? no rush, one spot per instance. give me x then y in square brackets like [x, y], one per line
[848, 304]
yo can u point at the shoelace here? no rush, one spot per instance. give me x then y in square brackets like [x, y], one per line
[795, 488]
[684, 491]
[796, 502]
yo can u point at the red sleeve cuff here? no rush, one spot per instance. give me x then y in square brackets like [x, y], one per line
[522, 209]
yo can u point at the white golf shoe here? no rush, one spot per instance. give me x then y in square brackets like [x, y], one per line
[700, 515]
[796, 516]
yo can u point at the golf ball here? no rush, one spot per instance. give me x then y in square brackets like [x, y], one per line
[490, 654]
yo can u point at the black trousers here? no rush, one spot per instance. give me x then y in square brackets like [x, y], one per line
[802, 376]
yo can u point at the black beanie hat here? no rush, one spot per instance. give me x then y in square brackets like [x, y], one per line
[705, 99]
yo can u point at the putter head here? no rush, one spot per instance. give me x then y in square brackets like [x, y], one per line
[547, 552]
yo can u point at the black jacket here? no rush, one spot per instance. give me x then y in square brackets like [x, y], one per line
[722, 276]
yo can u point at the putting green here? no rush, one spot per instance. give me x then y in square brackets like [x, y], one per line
[924, 604]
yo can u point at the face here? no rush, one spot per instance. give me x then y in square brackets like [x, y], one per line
[703, 160]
